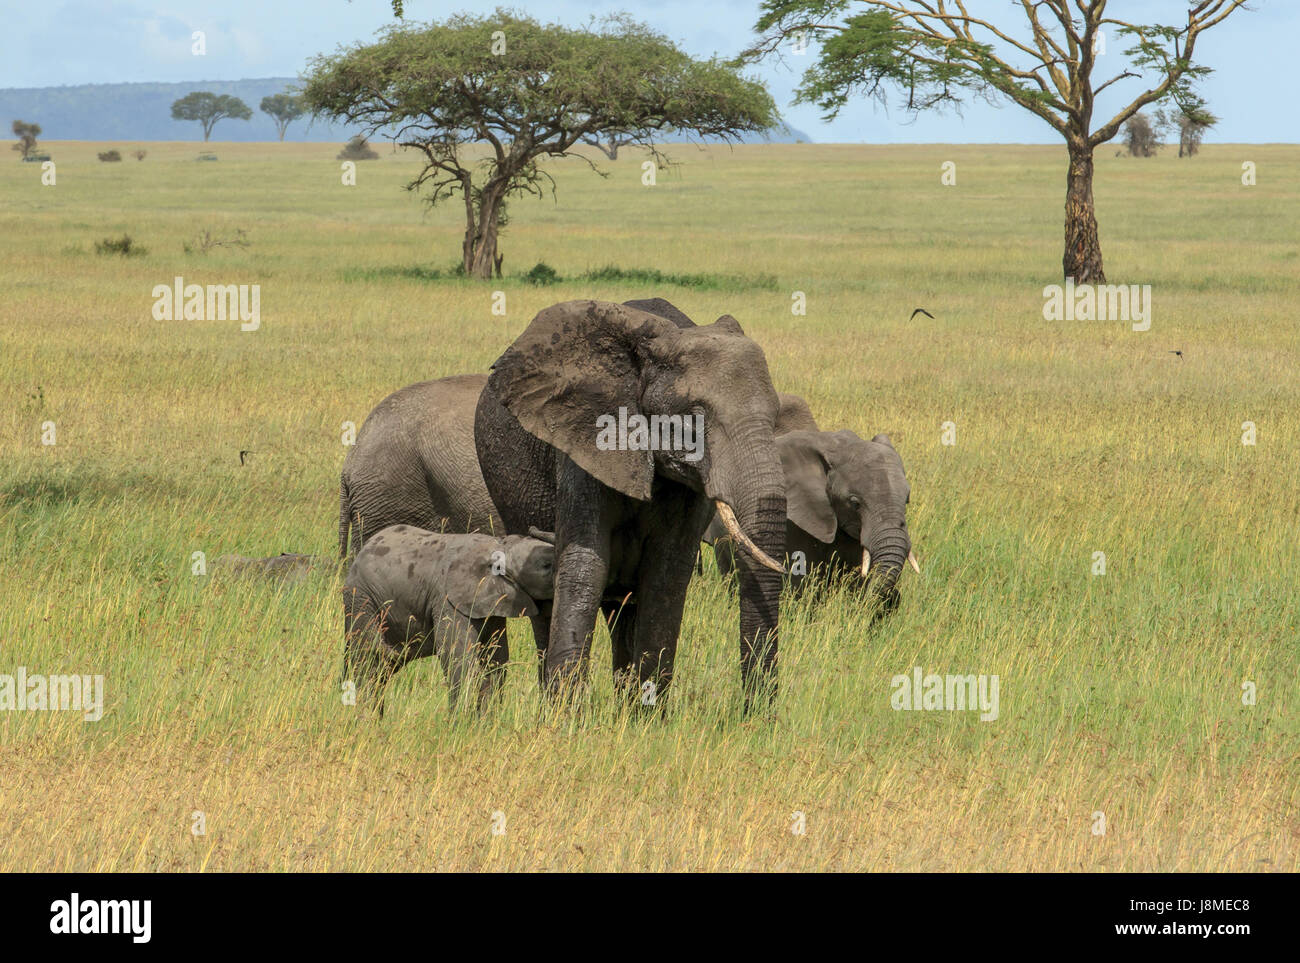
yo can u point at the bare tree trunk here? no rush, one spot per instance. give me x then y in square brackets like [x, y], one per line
[485, 254]
[481, 252]
[1082, 260]
[471, 230]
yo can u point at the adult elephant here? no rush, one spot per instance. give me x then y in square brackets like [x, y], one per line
[414, 464]
[628, 516]
[846, 505]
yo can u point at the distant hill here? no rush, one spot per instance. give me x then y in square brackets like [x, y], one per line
[142, 112]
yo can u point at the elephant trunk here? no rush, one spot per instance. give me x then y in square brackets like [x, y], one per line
[745, 473]
[883, 558]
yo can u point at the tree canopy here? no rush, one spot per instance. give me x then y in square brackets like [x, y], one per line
[208, 108]
[284, 109]
[26, 134]
[526, 90]
[935, 54]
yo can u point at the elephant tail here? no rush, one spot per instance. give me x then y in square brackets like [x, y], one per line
[345, 517]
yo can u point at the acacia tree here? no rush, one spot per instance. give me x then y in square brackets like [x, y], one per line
[208, 108]
[1140, 138]
[26, 134]
[935, 53]
[284, 109]
[527, 91]
[610, 143]
[1190, 130]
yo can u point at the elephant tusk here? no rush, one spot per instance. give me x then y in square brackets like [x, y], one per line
[911, 557]
[733, 529]
[866, 562]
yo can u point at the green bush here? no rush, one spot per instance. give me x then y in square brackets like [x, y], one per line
[119, 245]
[357, 149]
[110, 156]
[542, 274]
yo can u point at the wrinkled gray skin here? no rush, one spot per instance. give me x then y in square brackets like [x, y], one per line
[414, 464]
[792, 414]
[414, 461]
[628, 523]
[843, 495]
[411, 593]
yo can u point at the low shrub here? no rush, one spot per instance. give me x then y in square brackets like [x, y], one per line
[123, 245]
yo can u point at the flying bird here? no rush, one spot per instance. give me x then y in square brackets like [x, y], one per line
[922, 311]
[1179, 353]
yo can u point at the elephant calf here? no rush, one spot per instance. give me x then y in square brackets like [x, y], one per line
[410, 593]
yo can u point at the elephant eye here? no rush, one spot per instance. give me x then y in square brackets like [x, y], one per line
[855, 501]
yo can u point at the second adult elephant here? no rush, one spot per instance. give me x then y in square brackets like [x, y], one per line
[414, 464]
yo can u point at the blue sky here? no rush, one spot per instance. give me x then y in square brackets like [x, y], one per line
[113, 41]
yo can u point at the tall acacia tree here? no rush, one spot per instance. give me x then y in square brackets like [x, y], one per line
[284, 109]
[208, 108]
[26, 134]
[527, 91]
[935, 53]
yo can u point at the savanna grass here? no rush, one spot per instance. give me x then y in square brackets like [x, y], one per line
[1121, 694]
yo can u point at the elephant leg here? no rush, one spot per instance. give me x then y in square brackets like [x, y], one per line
[367, 661]
[665, 575]
[456, 638]
[473, 653]
[724, 551]
[584, 517]
[621, 620]
[541, 636]
[493, 654]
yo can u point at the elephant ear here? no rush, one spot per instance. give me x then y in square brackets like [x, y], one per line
[663, 309]
[794, 415]
[807, 495]
[729, 324]
[472, 589]
[575, 363]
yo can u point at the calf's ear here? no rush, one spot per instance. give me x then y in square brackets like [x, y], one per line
[473, 588]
